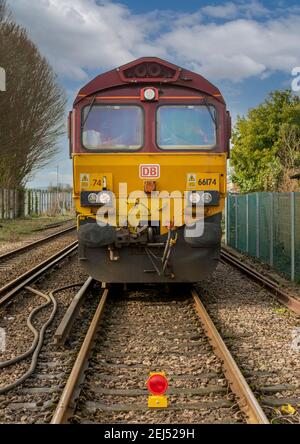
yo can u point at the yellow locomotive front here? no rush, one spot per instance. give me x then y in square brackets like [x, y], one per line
[149, 143]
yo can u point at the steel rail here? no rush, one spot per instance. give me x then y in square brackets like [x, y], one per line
[64, 409]
[12, 253]
[13, 287]
[286, 299]
[239, 386]
[54, 225]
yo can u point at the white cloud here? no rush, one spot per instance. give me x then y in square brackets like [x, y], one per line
[232, 10]
[228, 10]
[77, 35]
[237, 49]
[83, 36]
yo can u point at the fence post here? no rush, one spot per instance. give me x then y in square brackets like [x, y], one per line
[42, 202]
[45, 202]
[12, 204]
[236, 221]
[1, 204]
[257, 225]
[292, 236]
[247, 223]
[25, 203]
[32, 203]
[226, 220]
[8, 203]
[271, 226]
[15, 203]
[36, 202]
[28, 202]
[4, 204]
[6, 214]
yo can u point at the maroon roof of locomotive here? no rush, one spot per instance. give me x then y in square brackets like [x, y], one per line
[117, 78]
[174, 85]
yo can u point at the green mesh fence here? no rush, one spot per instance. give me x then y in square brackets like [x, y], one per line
[231, 205]
[241, 223]
[282, 232]
[252, 231]
[267, 226]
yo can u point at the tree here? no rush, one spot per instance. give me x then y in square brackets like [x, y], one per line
[266, 143]
[3, 11]
[32, 108]
[289, 155]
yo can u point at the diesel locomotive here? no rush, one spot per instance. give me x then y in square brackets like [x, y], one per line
[149, 143]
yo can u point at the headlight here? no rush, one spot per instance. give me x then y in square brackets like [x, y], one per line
[206, 198]
[149, 94]
[104, 198]
[194, 198]
[92, 198]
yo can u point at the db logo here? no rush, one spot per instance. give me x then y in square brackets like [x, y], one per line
[149, 171]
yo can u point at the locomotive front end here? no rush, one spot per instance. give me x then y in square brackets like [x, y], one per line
[149, 143]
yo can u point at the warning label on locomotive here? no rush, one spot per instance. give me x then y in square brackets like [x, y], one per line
[149, 171]
[84, 181]
[191, 180]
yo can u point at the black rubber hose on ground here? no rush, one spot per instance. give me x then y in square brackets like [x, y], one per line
[38, 339]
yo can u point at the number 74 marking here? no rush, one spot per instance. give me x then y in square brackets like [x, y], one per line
[97, 182]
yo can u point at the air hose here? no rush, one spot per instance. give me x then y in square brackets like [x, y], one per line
[38, 340]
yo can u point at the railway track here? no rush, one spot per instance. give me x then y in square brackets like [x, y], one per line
[12, 288]
[31, 379]
[10, 254]
[284, 297]
[54, 225]
[132, 334]
[107, 381]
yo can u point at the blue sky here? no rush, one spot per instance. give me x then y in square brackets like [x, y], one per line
[247, 48]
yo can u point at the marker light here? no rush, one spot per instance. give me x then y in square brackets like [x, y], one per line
[206, 198]
[149, 94]
[92, 198]
[104, 198]
[194, 198]
[157, 384]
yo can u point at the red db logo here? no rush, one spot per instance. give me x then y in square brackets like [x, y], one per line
[149, 171]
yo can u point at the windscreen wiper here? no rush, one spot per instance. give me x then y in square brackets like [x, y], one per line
[213, 117]
[88, 113]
